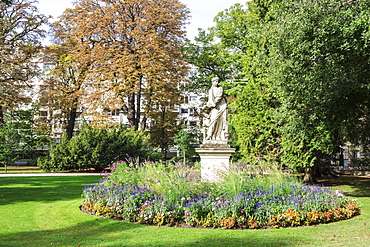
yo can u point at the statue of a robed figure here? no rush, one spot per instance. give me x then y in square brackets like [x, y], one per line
[215, 116]
[215, 152]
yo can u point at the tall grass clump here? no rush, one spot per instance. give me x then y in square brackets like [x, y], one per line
[246, 197]
[169, 181]
[242, 176]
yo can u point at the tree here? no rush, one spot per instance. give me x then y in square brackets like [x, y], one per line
[321, 65]
[64, 85]
[306, 65]
[133, 46]
[242, 30]
[162, 111]
[237, 49]
[185, 141]
[20, 34]
[165, 127]
[20, 136]
[9, 143]
[209, 57]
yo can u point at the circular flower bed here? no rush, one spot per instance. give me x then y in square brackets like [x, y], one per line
[175, 196]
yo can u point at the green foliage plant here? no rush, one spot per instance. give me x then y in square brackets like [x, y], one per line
[19, 136]
[236, 49]
[9, 143]
[185, 141]
[297, 77]
[241, 31]
[94, 148]
[319, 62]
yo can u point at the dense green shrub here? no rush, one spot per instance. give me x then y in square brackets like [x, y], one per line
[95, 148]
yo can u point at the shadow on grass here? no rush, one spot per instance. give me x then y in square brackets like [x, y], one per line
[42, 189]
[102, 232]
[95, 231]
[357, 186]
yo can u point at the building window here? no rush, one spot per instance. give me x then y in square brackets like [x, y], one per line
[44, 114]
[182, 110]
[193, 123]
[193, 98]
[357, 155]
[115, 112]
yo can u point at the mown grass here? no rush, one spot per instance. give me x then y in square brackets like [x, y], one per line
[43, 211]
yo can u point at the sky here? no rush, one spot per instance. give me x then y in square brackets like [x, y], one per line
[202, 11]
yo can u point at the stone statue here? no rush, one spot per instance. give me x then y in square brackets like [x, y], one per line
[214, 152]
[215, 115]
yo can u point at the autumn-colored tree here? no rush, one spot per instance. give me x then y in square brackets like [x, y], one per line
[20, 35]
[164, 129]
[63, 87]
[133, 46]
[163, 114]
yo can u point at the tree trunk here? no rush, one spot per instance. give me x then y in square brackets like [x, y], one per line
[1, 115]
[131, 111]
[163, 135]
[149, 102]
[71, 123]
[309, 175]
[138, 103]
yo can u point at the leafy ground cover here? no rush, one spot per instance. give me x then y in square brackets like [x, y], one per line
[43, 211]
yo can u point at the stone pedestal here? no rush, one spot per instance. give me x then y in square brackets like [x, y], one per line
[215, 160]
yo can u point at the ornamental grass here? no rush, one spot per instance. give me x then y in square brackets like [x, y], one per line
[174, 195]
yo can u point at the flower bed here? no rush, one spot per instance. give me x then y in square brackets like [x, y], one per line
[175, 196]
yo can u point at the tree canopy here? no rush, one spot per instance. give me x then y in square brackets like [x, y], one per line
[305, 70]
[20, 35]
[131, 49]
[321, 67]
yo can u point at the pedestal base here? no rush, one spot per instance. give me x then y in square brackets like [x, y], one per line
[214, 161]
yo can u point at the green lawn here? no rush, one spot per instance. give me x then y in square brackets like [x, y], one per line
[43, 211]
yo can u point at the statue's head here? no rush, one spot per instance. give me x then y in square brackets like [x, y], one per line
[215, 81]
